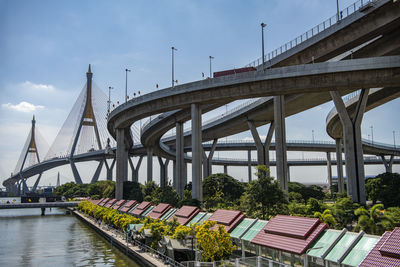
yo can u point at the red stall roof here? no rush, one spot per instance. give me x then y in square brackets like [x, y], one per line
[159, 210]
[110, 203]
[386, 252]
[228, 218]
[104, 201]
[141, 208]
[289, 233]
[96, 201]
[119, 204]
[128, 205]
[186, 213]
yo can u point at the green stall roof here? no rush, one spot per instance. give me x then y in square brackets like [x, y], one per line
[208, 215]
[360, 250]
[196, 218]
[253, 231]
[146, 212]
[168, 214]
[341, 247]
[242, 227]
[323, 242]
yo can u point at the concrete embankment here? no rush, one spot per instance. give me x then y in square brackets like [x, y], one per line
[118, 240]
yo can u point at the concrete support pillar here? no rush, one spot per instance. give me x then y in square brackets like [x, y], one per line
[197, 186]
[110, 169]
[37, 182]
[163, 172]
[122, 163]
[280, 141]
[262, 149]
[75, 172]
[351, 126]
[174, 175]
[96, 174]
[207, 160]
[329, 167]
[180, 181]
[249, 164]
[339, 164]
[149, 164]
[288, 173]
[226, 169]
[135, 175]
[388, 163]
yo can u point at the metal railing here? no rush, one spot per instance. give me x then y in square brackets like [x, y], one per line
[312, 32]
[238, 262]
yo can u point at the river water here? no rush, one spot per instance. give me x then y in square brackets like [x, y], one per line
[28, 239]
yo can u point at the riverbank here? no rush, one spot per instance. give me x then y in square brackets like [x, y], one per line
[119, 241]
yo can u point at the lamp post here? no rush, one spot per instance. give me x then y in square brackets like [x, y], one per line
[312, 132]
[262, 37]
[211, 57]
[394, 139]
[109, 98]
[173, 49]
[126, 84]
[372, 134]
[337, 9]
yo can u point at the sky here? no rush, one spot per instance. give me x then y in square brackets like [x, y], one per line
[46, 46]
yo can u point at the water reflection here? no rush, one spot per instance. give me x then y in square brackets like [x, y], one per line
[28, 239]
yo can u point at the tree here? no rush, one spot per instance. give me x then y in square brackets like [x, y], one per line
[151, 192]
[374, 221]
[221, 190]
[343, 211]
[169, 195]
[306, 192]
[264, 195]
[101, 188]
[386, 188]
[133, 190]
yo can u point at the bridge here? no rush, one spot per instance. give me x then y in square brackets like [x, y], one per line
[41, 206]
[287, 84]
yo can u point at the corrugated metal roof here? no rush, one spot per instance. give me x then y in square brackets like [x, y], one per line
[377, 259]
[360, 250]
[110, 203]
[201, 220]
[253, 231]
[141, 208]
[342, 245]
[128, 205]
[318, 248]
[159, 210]
[292, 243]
[186, 213]
[242, 227]
[168, 214]
[118, 204]
[298, 227]
[225, 217]
[146, 212]
[104, 201]
[196, 218]
[391, 247]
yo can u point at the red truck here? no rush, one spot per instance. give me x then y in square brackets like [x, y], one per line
[233, 71]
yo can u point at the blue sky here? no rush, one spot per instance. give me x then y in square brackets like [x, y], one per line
[46, 46]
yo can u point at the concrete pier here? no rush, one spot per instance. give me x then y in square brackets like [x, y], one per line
[280, 141]
[197, 188]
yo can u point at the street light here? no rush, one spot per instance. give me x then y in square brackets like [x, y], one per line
[372, 134]
[312, 132]
[337, 9]
[126, 84]
[262, 34]
[211, 57]
[173, 49]
[394, 139]
[109, 98]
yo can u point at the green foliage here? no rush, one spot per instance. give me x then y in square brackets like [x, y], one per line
[326, 217]
[375, 220]
[71, 190]
[221, 191]
[133, 190]
[100, 187]
[306, 192]
[343, 211]
[188, 200]
[151, 192]
[264, 197]
[169, 195]
[386, 188]
[215, 245]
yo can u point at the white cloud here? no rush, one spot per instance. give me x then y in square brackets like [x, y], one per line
[38, 86]
[23, 107]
